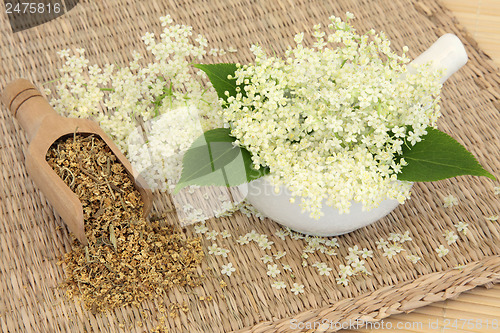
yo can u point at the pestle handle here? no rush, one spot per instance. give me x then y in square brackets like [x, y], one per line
[27, 105]
[446, 54]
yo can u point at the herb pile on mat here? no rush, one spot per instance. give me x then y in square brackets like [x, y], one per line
[129, 259]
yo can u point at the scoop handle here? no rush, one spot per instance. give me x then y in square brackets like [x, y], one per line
[27, 104]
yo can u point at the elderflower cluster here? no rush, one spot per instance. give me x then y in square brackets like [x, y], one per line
[329, 122]
[152, 110]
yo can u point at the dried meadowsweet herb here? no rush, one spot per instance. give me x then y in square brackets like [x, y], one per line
[128, 259]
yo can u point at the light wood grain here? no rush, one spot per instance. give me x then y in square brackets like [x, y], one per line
[482, 20]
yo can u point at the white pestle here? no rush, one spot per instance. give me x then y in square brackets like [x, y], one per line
[446, 54]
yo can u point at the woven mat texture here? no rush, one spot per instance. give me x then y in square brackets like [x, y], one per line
[32, 236]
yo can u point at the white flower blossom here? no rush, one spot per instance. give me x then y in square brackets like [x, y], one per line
[267, 258]
[342, 280]
[345, 270]
[405, 237]
[213, 249]
[492, 218]
[358, 266]
[278, 285]
[171, 104]
[351, 257]
[287, 268]
[225, 234]
[450, 201]
[272, 270]
[462, 227]
[211, 235]
[228, 269]
[323, 269]
[442, 251]
[242, 240]
[413, 258]
[285, 118]
[223, 252]
[382, 244]
[365, 253]
[279, 255]
[281, 233]
[296, 236]
[394, 237]
[252, 235]
[265, 244]
[332, 242]
[200, 228]
[496, 190]
[450, 236]
[297, 289]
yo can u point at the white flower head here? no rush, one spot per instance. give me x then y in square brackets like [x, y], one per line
[228, 269]
[297, 289]
[267, 258]
[223, 252]
[442, 251]
[342, 280]
[413, 258]
[324, 270]
[345, 270]
[351, 257]
[382, 244]
[450, 201]
[462, 227]
[332, 242]
[279, 255]
[278, 285]
[365, 253]
[272, 270]
[285, 121]
[450, 236]
[200, 228]
[213, 249]
[211, 235]
[282, 233]
[394, 237]
[242, 240]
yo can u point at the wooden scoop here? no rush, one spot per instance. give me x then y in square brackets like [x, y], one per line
[44, 126]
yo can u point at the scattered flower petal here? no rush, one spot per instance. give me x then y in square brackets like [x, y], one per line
[278, 285]
[200, 228]
[211, 235]
[266, 259]
[462, 227]
[297, 289]
[450, 201]
[442, 251]
[413, 258]
[228, 269]
[272, 270]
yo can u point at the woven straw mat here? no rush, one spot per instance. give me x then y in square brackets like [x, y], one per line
[32, 240]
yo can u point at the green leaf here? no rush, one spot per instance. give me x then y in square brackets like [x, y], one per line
[212, 159]
[218, 75]
[438, 156]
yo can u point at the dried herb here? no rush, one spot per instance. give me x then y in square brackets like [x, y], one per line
[129, 259]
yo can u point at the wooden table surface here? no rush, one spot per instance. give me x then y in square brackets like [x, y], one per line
[479, 309]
